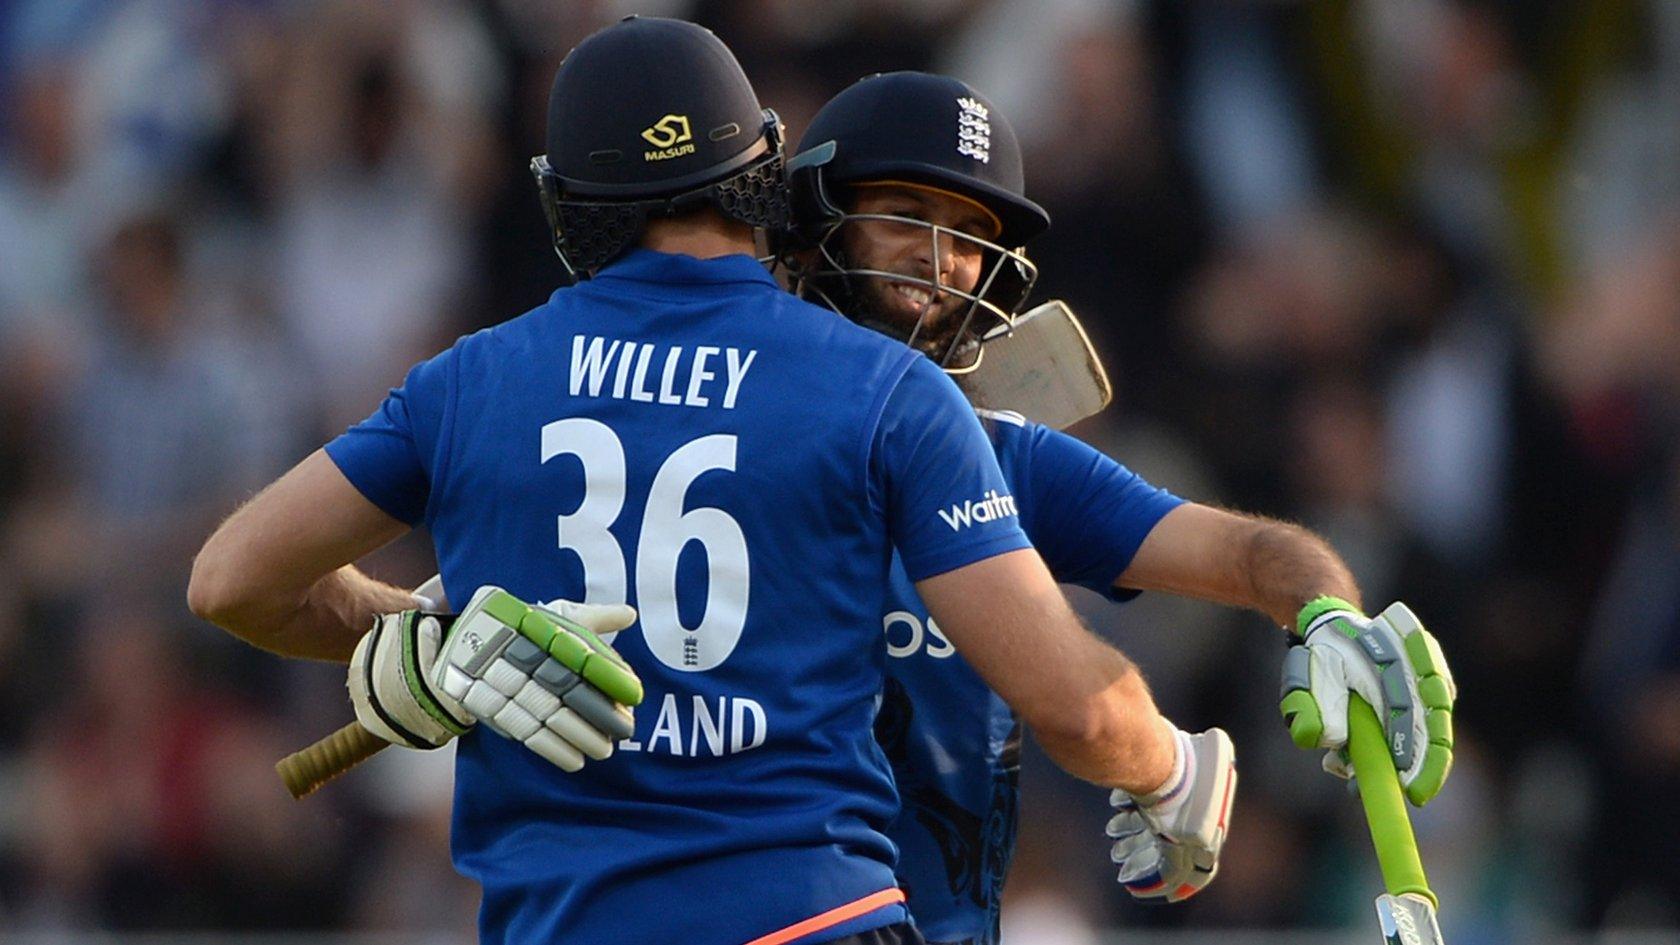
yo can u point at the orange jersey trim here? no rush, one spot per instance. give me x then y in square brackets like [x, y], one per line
[831, 918]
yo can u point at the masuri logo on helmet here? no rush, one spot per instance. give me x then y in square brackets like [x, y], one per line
[666, 132]
[597, 197]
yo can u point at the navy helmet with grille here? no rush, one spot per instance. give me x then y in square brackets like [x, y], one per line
[652, 117]
[918, 129]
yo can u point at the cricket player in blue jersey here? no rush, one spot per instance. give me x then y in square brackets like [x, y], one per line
[908, 195]
[675, 448]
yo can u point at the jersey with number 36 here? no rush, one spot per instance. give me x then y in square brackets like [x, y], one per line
[739, 465]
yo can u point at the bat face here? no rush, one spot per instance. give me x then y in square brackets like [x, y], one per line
[1044, 369]
[1408, 919]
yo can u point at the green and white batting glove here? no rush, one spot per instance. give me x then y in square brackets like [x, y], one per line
[390, 683]
[542, 676]
[1167, 843]
[1393, 663]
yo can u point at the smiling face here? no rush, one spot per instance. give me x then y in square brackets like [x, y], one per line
[927, 250]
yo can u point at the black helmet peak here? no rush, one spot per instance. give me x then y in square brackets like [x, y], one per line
[928, 129]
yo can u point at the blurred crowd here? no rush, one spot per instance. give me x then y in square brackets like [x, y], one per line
[1408, 273]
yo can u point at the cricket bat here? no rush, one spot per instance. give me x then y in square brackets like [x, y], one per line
[1043, 369]
[305, 771]
[1406, 911]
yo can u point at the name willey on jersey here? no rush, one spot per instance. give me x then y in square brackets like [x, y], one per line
[685, 379]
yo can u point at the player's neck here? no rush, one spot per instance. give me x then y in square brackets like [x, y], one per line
[704, 235]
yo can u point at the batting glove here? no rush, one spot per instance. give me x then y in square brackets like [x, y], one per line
[1393, 663]
[390, 685]
[1167, 843]
[542, 676]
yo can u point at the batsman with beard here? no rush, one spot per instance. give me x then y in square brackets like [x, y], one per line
[908, 201]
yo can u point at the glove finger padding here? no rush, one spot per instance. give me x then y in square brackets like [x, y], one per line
[1337, 762]
[390, 685]
[1142, 873]
[1394, 664]
[1168, 844]
[541, 679]
[1125, 827]
[602, 620]
[1428, 676]
[431, 597]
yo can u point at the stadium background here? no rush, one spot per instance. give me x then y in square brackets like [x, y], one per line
[1408, 272]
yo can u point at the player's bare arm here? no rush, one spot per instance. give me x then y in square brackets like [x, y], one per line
[1092, 712]
[1240, 560]
[277, 572]
[1298, 580]
[1086, 702]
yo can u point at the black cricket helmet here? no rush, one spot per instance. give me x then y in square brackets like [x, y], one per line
[927, 131]
[652, 117]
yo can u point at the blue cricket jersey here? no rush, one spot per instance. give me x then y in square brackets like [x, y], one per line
[683, 435]
[952, 741]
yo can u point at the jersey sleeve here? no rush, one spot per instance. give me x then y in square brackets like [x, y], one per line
[1087, 514]
[936, 477]
[393, 455]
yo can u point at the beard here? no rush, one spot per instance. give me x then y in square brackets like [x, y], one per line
[876, 306]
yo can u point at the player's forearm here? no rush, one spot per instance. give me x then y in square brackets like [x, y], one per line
[1238, 560]
[332, 615]
[277, 573]
[1121, 741]
[322, 621]
[1287, 566]
[1084, 700]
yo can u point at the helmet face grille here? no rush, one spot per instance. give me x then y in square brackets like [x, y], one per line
[757, 196]
[589, 235]
[1006, 277]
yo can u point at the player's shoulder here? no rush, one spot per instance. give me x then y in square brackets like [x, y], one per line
[516, 332]
[472, 355]
[1005, 418]
[837, 331]
[1010, 430]
[837, 352]
[1022, 444]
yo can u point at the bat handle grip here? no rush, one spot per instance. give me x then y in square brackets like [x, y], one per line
[1385, 808]
[304, 771]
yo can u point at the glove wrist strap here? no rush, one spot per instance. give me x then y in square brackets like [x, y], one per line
[1318, 607]
[1180, 771]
